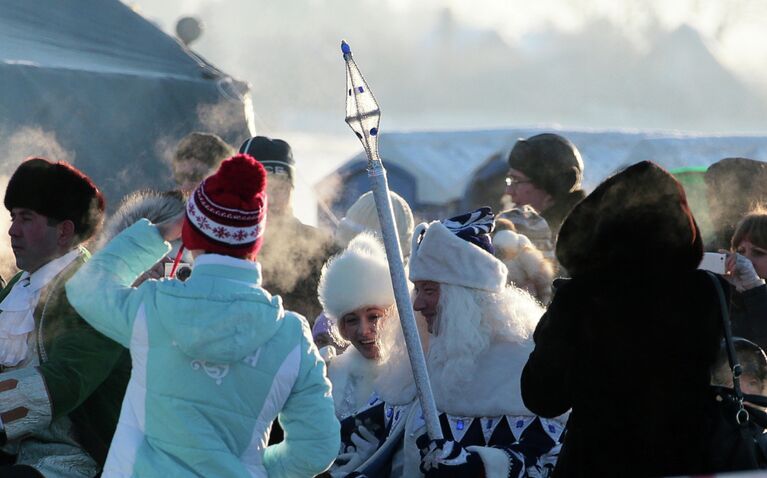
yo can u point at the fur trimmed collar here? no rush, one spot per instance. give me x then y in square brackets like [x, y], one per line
[352, 376]
[153, 205]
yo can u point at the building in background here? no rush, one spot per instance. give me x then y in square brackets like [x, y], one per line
[443, 173]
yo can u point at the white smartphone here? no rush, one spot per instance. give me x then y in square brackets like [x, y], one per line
[714, 262]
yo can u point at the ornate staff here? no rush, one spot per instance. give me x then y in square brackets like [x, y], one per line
[364, 116]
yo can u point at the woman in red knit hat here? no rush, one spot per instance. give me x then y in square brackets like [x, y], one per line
[216, 358]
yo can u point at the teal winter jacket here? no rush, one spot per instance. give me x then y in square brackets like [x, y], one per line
[215, 360]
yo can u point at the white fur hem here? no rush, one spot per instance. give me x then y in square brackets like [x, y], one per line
[495, 460]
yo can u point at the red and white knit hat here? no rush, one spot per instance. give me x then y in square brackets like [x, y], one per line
[226, 214]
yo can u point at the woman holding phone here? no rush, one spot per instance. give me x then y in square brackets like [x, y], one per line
[746, 270]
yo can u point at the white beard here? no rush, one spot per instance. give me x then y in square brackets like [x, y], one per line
[476, 360]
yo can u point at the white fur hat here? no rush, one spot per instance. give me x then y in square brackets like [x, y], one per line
[510, 242]
[441, 256]
[363, 216]
[357, 277]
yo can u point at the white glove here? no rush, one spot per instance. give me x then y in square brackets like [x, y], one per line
[328, 353]
[743, 275]
[365, 444]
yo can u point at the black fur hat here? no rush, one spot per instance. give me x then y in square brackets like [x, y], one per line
[58, 191]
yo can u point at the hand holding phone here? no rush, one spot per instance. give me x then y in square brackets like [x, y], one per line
[714, 262]
[741, 272]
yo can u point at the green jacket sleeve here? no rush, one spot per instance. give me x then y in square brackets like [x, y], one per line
[101, 290]
[312, 432]
[79, 359]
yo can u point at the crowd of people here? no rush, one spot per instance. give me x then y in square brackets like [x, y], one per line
[211, 333]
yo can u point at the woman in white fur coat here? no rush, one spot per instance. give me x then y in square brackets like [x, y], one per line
[356, 293]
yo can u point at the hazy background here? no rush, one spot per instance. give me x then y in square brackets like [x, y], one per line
[434, 65]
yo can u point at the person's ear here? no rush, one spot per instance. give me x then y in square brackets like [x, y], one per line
[66, 233]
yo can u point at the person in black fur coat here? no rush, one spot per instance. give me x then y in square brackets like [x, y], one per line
[628, 342]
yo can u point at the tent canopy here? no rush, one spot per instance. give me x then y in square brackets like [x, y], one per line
[114, 91]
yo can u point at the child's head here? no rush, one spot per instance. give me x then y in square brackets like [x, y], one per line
[226, 213]
[754, 365]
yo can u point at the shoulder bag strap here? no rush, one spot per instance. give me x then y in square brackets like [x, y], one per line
[741, 416]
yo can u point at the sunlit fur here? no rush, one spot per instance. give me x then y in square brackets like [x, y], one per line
[468, 321]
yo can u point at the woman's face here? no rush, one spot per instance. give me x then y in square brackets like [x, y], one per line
[361, 328]
[757, 255]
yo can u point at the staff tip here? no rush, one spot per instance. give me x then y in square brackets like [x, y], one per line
[345, 48]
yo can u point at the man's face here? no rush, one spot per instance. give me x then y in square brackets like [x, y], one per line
[524, 192]
[426, 301]
[279, 190]
[34, 242]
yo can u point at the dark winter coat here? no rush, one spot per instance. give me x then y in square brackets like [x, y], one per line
[291, 260]
[749, 315]
[562, 206]
[628, 342]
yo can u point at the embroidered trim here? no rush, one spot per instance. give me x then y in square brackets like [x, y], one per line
[515, 458]
[222, 232]
[229, 213]
[252, 359]
[213, 370]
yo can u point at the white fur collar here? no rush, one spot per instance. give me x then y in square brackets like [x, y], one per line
[352, 376]
[153, 205]
[494, 388]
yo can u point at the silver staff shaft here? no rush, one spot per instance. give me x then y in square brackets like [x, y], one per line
[363, 116]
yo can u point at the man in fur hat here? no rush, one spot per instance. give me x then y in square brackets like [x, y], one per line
[545, 172]
[62, 382]
[293, 252]
[477, 341]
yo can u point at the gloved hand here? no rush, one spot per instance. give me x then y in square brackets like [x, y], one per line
[741, 273]
[328, 353]
[448, 459]
[365, 444]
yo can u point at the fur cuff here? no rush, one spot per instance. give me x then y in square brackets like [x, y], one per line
[152, 205]
[496, 461]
